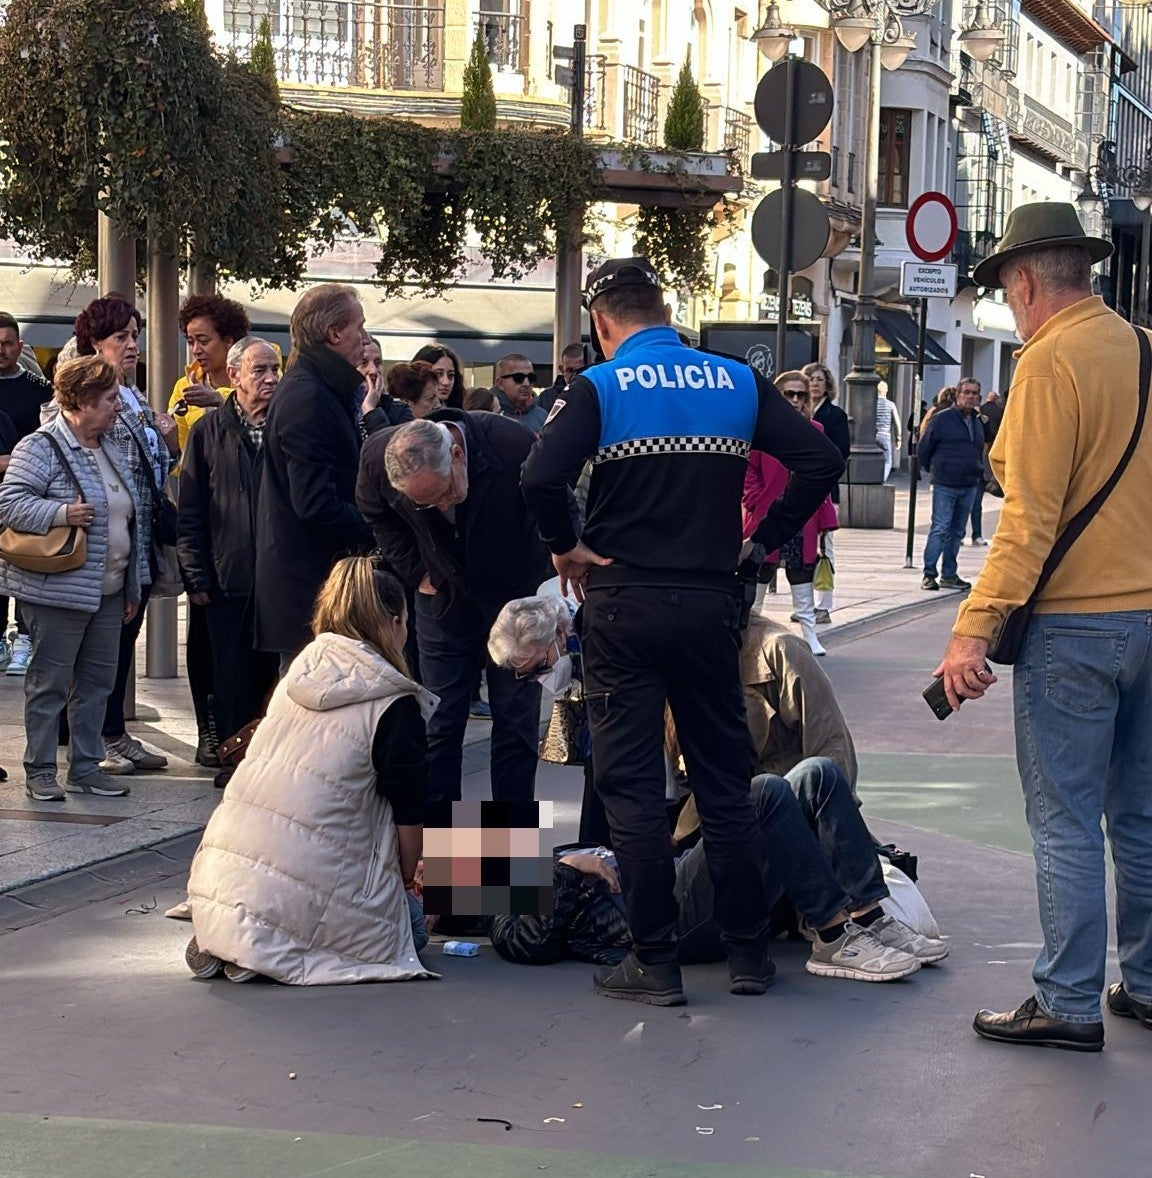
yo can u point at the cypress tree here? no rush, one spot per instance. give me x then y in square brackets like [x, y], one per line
[478, 104]
[684, 123]
[262, 60]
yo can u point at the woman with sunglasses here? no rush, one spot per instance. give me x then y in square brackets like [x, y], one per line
[764, 483]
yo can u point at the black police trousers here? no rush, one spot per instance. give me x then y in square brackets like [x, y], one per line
[643, 646]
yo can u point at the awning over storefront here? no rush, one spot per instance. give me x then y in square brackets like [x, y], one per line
[901, 332]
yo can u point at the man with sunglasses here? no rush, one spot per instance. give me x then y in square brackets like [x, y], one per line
[443, 498]
[515, 377]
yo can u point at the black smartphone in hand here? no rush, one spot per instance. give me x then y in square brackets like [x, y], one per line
[936, 699]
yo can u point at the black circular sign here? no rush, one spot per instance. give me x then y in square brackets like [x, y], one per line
[810, 229]
[813, 102]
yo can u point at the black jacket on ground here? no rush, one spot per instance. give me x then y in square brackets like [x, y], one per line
[952, 451]
[307, 517]
[491, 554]
[219, 493]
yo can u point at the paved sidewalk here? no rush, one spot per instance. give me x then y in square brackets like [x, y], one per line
[39, 840]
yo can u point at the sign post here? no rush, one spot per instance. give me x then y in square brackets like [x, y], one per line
[790, 227]
[931, 233]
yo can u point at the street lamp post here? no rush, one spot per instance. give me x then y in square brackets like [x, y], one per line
[879, 25]
[1136, 180]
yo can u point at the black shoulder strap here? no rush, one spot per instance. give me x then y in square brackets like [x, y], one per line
[65, 464]
[1084, 516]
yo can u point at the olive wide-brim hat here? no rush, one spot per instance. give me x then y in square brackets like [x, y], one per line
[1039, 226]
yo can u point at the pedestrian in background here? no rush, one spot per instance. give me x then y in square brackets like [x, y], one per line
[513, 387]
[22, 394]
[834, 422]
[449, 373]
[219, 495]
[71, 472]
[573, 361]
[110, 327]
[655, 567]
[307, 518]
[952, 451]
[1082, 682]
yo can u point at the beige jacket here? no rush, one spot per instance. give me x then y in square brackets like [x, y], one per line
[298, 874]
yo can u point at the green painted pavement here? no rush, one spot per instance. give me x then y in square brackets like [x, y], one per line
[48, 1147]
[971, 797]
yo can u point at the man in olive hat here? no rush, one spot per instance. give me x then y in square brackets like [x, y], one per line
[668, 431]
[1083, 679]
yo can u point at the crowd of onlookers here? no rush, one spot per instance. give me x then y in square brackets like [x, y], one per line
[357, 553]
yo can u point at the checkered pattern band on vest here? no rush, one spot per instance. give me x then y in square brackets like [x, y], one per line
[636, 447]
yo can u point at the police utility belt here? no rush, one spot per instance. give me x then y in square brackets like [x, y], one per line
[622, 576]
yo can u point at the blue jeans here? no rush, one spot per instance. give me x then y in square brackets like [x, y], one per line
[814, 848]
[1083, 698]
[951, 507]
[448, 663]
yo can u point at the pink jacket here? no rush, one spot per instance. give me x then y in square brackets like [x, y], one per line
[764, 483]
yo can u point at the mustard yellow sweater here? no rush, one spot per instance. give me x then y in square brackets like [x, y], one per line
[1069, 417]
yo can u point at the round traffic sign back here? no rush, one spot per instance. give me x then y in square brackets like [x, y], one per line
[809, 229]
[813, 102]
[931, 226]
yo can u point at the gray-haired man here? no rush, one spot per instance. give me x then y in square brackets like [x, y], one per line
[219, 492]
[443, 498]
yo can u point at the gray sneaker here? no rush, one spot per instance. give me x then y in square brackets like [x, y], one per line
[128, 748]
[860, 956]
[97, 783]
[21, 652]
[43, 787]
[897, 935]
[204, 965]
[5, 653]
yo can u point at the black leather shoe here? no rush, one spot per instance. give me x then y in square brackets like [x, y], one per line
[1122, 1003]
[751, 970]
[633, 981]
[1032, 1027]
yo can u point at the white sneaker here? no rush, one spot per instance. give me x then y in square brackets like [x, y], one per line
[20, 654]
[897, 935]
[116, 765]
[860, 956]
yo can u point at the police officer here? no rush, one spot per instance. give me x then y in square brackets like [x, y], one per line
[668, 430]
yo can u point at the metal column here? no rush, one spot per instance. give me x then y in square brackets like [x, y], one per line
[570, 261]
[164, 368]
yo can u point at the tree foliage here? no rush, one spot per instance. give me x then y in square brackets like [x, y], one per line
[676, 240]
[478, 103]
[123, 106]
[684, 122]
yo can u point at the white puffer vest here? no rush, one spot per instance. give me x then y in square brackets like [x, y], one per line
[298, 873]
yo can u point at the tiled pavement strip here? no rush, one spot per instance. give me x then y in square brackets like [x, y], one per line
[148, 836]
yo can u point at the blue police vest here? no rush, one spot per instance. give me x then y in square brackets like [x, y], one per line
[659, 397]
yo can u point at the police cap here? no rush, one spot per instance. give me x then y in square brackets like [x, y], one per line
[618, 272]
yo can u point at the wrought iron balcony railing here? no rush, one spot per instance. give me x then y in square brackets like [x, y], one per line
[344, 42]
[641, 106]
[737, 134]
[506, 38]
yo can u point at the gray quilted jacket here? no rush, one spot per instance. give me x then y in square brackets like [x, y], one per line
[30, 498]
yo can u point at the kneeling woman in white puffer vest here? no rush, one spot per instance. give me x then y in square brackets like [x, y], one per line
[305, 869]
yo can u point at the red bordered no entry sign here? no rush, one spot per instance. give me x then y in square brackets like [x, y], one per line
[931, 226]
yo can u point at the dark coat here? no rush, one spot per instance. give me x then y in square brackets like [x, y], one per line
[219, 493]
[492, 554]
[307, 518]
[390, 411]
[950, 453]
[836, 430]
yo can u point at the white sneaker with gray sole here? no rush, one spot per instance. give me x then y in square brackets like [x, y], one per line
[860, 956]
[897, 935]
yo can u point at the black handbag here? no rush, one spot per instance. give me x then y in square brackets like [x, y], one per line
[1010, 640]
[165, 518]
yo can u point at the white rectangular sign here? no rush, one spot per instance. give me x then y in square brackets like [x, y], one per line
[928, 280]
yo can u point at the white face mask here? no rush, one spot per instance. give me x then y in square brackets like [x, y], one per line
[558, 677]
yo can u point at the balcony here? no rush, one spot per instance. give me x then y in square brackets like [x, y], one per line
[641, 114]
[506, 38]
[736, 128]
[621, 102]
[344, 43]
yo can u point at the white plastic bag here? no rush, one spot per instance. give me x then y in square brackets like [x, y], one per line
[906, 903]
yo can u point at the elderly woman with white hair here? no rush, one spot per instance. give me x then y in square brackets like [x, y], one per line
[535, 637]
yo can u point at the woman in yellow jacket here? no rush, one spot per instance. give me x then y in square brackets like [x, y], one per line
[211, 324]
